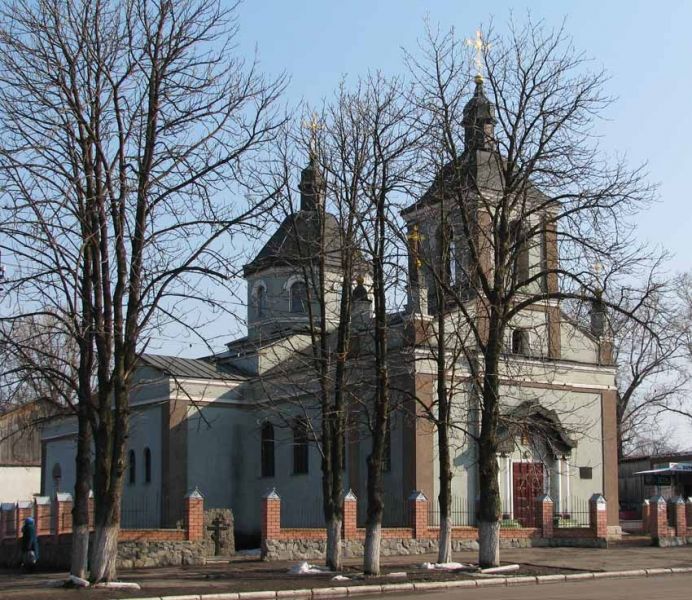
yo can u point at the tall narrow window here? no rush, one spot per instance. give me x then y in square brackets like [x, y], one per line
[57, 476]
[448, 254]
[520, 341]
[267, 450]
[300, 447]
[519, 252]
[147, 465]
[299, 297]
[261, 301]
[132, 467]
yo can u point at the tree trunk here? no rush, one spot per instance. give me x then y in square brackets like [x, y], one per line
[104, 552]
[334, 553]
[444, 554]
[371, 556]
[489, 543]
[80, 511]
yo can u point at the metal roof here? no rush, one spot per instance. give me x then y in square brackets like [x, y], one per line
[195, 368]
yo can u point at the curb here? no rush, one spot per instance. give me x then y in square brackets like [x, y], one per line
[355, 590]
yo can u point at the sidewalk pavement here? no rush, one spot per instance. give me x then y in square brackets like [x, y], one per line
[243, 574]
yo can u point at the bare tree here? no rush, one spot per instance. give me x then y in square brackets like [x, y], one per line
[652, 379]
[523, 178]
[123, 125]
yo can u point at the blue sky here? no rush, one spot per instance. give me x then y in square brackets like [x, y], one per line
[645, 46]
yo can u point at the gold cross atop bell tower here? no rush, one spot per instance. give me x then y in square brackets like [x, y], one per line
[314, 126]
[479, 47]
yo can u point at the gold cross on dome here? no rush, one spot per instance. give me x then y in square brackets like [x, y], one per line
[479, 46]
[314, 126]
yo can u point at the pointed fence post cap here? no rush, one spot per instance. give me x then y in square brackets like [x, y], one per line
[597, 499]
[7, 506]
[688, 501]
[91, 494]
[678, 500]
[544, 498]
[417, 496]
[195, 494]
[350, 495]
[42, 500]
[646, 502]
[25, 504]
[63, 496]
[658, 499]
[272, 495]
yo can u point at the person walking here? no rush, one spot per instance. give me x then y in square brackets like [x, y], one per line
[29, 544]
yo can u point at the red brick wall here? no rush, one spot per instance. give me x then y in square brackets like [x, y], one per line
[152, 535]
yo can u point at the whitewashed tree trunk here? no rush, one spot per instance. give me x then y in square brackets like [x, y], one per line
[334, 553]
[104, 553]
[371, 558]
[444, 553]
[80, 551]
[489, 543]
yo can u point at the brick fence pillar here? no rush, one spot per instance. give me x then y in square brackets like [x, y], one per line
[658, 518]
[194, 516]
[598, 516]
[350, 523]
[7, 520]
[271, 518]
[544, 515]
[646, 512]
[688, 512]
[42, 515]
[62, 513]
[418, 511]
[25, 509]
[680, 516]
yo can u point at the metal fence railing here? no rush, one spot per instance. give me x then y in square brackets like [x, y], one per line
[571, 512]
[144, 511]
[463, 512]
[308, 513]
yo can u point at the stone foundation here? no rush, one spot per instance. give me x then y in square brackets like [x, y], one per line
[55, 552]
[308, 549]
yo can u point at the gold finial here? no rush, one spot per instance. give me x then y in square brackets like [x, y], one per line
[479, 46]
[314, 126]
[414, 240]
[360, 280]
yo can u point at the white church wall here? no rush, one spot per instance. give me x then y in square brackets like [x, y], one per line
[577, 345]
[19, 483]
[60, 451]
[210, 438]
[141, 505]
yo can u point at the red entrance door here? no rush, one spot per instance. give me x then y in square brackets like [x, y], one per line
[527, 486]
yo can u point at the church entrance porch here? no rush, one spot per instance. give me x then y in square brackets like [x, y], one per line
[527, 484]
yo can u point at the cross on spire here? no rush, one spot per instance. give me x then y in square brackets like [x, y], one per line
[479, 46]
[314, 126]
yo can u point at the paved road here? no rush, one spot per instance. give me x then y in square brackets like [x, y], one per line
[669, 587]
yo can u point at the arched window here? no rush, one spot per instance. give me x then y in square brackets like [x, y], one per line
[147, 465]
[520, 341]
[261, 301]
[56, 474]
[132, 467]
[519, 252]
[299, 297]
[267, 450]
[300, 447]
[448, 254]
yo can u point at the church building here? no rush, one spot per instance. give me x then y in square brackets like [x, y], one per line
[240, 423]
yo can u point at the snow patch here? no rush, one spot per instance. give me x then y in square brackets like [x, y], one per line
[305, 568]
[449, 566]
[340, 578]
[117, 585]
